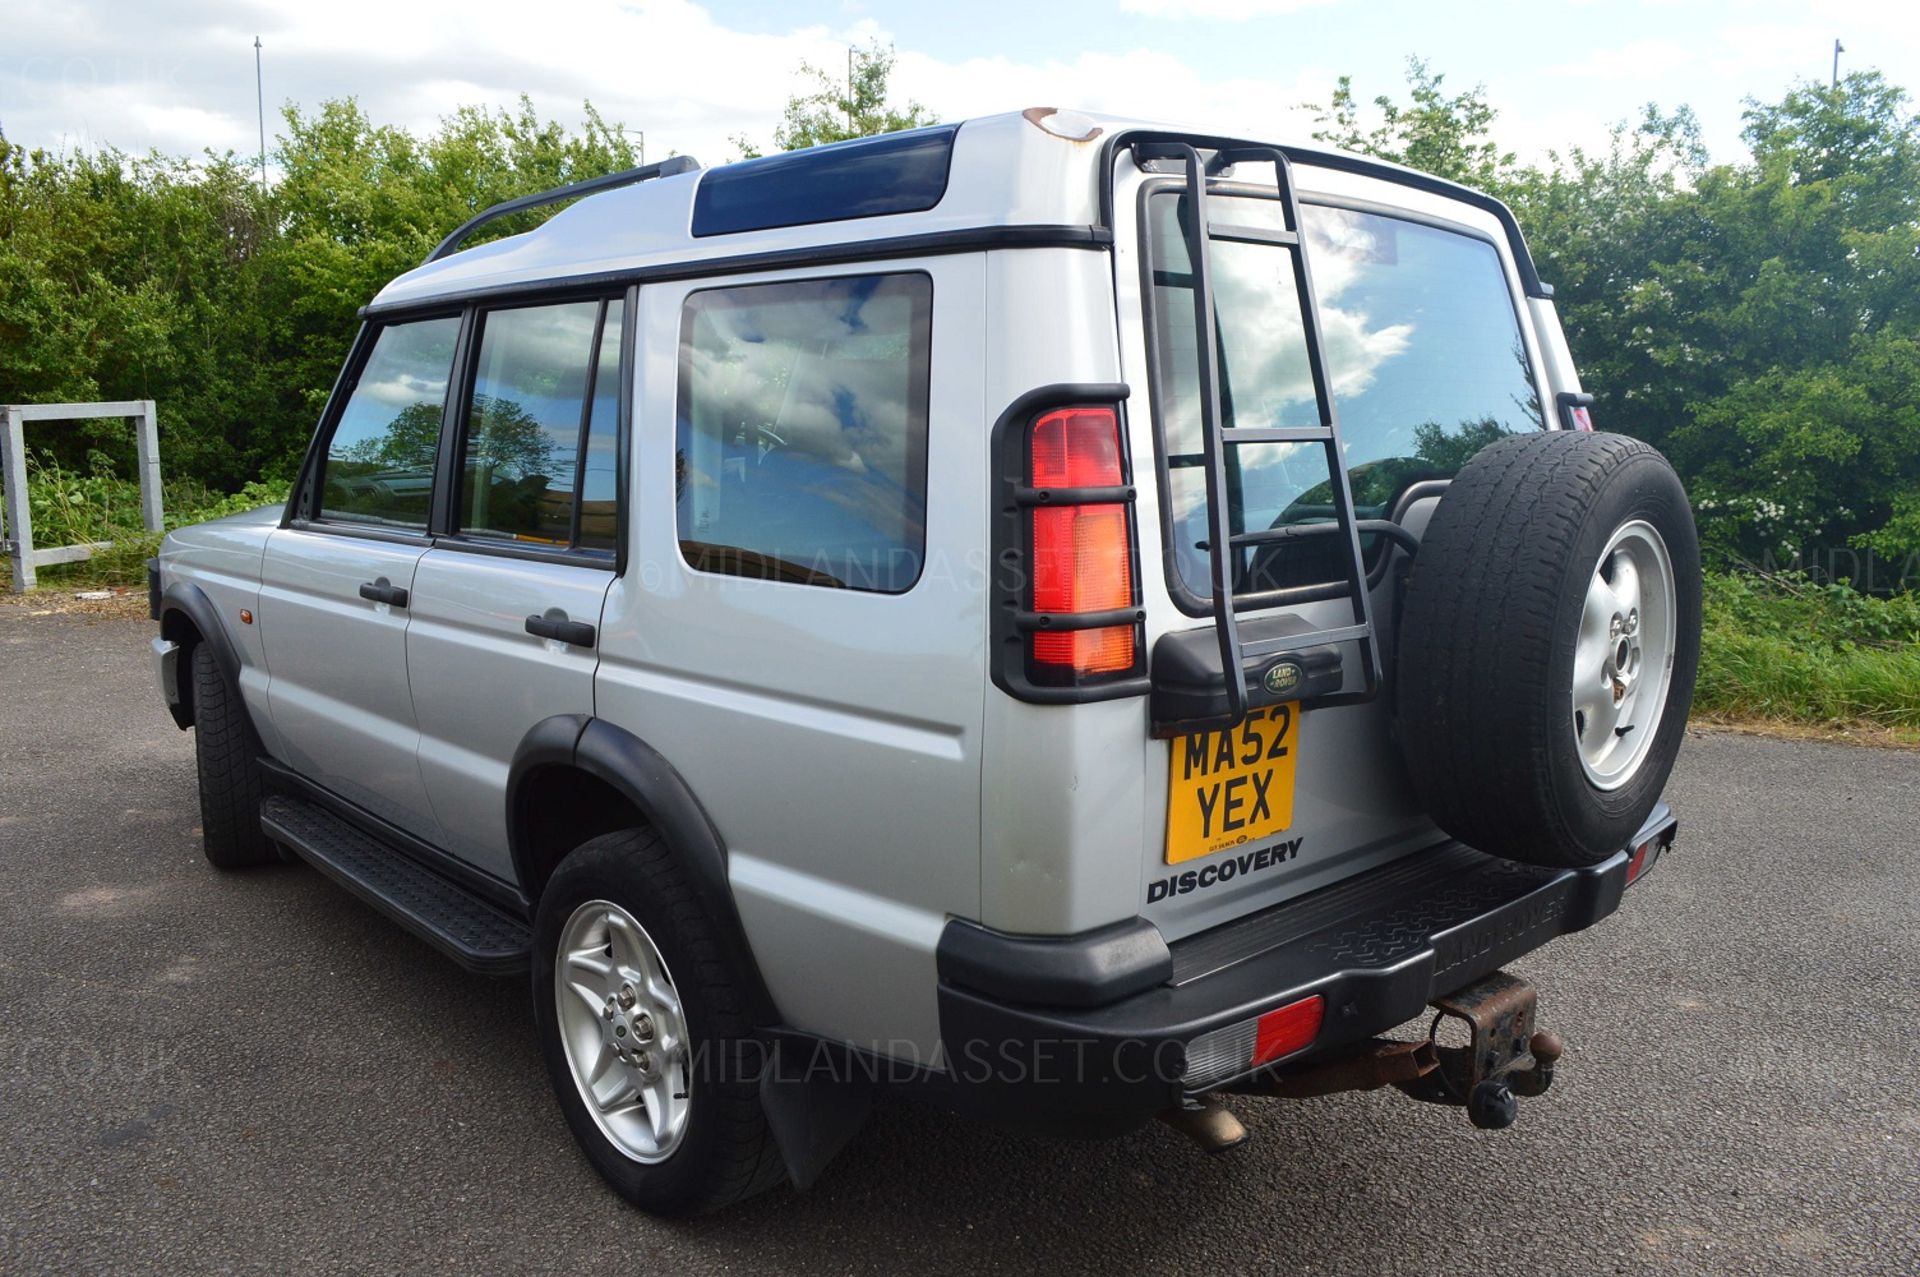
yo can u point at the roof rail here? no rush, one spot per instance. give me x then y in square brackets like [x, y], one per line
[672, 166]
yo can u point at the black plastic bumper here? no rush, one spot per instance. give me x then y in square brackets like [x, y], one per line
[1378, 947]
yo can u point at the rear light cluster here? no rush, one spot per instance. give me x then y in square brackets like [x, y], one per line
[1227, 1053]
[1082, 618]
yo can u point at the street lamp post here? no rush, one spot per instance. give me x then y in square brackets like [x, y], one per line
[260, 102]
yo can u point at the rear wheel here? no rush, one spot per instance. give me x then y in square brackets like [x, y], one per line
[1547, 647]
[643, 1025]
[227, 756]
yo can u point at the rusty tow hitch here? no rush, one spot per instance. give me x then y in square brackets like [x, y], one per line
[1502, 1059]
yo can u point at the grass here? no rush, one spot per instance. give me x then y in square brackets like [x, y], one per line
[69, 507]
[1781, 650]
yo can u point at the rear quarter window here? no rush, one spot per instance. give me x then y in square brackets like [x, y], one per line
[802, 431]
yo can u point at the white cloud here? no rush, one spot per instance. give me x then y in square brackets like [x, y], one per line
[1216, 10]
[1640, 58]
[667, 69]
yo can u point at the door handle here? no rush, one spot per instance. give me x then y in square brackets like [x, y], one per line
[555, 625]
[380, 590]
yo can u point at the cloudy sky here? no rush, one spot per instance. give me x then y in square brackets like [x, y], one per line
[180, 76]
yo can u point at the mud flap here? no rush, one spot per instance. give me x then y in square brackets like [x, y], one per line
[813, 1115]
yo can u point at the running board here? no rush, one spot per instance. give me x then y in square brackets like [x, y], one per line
[446, 915]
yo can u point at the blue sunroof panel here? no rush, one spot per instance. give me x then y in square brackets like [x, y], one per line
[868, 177]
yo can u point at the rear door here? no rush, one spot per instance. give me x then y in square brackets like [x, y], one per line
[337, 581]
[1427, 360]
[506, 606]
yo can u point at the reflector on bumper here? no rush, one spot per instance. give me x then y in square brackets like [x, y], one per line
[1225, 1053]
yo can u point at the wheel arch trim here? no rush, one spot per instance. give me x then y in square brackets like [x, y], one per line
[187, 600]
[643, 776]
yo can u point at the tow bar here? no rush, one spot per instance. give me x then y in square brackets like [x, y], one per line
[1503, 1058]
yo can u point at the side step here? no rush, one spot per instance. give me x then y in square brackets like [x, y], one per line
[446, 915]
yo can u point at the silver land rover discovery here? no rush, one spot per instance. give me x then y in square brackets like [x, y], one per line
[1063, 617]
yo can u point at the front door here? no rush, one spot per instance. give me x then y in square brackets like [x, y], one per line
[337, 582]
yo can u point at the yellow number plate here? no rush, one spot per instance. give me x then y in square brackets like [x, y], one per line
[1232, 787]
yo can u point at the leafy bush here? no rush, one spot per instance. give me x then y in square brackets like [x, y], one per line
[70, 508]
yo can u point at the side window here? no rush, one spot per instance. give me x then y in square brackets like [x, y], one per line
[528, 421]
[802, 431]
[379, 464]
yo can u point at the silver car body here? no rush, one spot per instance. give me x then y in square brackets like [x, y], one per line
[868, 779]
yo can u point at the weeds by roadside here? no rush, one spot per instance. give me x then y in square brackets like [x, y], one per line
[70, 507]
[1778, 647]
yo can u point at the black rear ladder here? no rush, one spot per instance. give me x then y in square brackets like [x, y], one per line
[1216, 437]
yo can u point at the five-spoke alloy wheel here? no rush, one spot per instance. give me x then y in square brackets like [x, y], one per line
[647, 1027]
[623, 1031]
[1623, 658]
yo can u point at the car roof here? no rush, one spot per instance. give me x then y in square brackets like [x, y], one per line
[1026, 176]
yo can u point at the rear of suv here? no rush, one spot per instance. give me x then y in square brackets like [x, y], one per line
[1062, 617]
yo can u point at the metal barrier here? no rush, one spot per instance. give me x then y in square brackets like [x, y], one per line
[16, 537]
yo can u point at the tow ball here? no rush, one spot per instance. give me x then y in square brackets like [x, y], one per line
[1503, 1058]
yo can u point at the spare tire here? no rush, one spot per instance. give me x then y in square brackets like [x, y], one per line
[1547, 646]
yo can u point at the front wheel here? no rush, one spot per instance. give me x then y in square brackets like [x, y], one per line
[642, 1025]
[226, 755]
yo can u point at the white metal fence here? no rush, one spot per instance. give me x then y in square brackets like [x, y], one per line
[17, 535]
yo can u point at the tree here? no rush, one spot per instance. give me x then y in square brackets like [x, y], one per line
[835, 110]
[1757, 321]
[154, 277]
[1446, 136]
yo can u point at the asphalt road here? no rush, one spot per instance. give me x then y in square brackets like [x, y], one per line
[206, 1071]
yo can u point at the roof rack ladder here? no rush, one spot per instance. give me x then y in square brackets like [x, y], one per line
[1223, 544]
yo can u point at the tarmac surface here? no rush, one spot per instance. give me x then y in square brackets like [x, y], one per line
[206, 1071]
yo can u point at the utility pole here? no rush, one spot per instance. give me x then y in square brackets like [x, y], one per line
[1838, 49]
[849, 89]
[260, 101]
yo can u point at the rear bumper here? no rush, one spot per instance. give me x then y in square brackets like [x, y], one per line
[1378, 947]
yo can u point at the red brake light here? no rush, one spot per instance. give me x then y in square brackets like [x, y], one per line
[1082, 551]
[1291, 1028]
[1582, 419]
[1077, 448]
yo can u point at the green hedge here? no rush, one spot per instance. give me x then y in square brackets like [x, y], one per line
[1784, 648]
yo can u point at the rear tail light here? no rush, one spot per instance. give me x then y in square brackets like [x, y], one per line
[1227, 1053]
[1582, 419]
[1083, 599]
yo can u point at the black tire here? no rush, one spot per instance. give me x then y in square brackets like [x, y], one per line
[1485, 651]
[227, 754]
[728, 1152]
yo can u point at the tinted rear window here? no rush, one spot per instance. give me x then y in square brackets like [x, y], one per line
[1423, 350]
